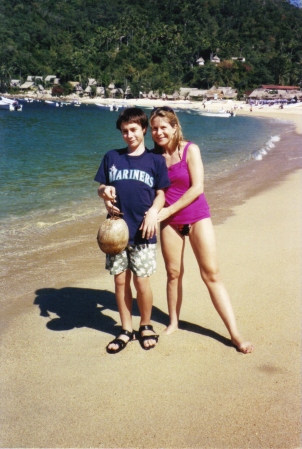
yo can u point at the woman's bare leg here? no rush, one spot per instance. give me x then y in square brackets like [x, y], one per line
[203, 243]
[172, 245]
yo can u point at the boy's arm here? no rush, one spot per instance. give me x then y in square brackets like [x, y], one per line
[108, 194]
[149, 224]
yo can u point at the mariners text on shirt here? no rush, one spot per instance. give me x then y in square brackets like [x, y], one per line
[139, 175]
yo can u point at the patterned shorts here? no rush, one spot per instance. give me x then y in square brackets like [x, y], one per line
[141, 259]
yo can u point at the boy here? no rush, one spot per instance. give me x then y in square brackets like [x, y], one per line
[132, 180]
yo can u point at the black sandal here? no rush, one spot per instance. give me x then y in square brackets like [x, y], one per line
[121, 343]
[143, 338]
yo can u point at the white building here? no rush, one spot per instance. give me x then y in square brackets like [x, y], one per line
[200, 61]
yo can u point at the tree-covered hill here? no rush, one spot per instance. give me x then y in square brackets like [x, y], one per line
[153, 45]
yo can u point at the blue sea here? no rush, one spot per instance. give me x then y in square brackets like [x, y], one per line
[49, 157]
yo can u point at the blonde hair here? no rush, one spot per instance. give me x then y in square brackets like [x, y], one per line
[170, 117]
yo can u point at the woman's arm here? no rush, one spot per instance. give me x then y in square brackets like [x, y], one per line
[149, 224]
[196, 172]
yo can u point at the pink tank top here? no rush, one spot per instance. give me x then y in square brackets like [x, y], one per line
[180, 183]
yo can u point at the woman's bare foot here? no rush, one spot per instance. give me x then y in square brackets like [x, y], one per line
[243, 346]
[170, 329]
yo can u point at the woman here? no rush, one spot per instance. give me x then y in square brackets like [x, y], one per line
[186, 213]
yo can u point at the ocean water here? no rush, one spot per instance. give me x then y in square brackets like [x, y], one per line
[49, 208]
[49, 156]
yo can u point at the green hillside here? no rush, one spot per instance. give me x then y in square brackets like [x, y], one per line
[152, 45]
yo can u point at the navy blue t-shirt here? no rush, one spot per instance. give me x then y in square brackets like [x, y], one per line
[136, 179]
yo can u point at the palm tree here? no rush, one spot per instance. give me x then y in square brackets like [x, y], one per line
[5, 76]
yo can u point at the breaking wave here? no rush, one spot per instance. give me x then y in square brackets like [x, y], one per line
[258, 155]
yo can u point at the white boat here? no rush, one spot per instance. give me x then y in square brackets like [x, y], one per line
[10, 105]
[4, 105]
[52, 103]
[15, 107]
[216, 114]
[108, 107]
[102, 106]
[27, 100]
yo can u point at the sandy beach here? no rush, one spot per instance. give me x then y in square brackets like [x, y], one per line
[60, 389]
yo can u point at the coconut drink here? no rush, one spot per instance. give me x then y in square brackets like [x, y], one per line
[113, 235]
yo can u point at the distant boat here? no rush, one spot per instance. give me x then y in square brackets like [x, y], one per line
[4, 105]
[76, 103]
[102, 106]
[216, 114]
[10, 105]
[110, 107]
[28, 100]
[15, 107]
[53, 103]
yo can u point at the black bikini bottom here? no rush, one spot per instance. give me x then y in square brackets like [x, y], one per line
[183, 229]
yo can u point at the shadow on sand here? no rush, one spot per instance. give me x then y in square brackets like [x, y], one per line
[84, 307]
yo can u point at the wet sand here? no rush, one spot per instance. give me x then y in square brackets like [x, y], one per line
[61, 389]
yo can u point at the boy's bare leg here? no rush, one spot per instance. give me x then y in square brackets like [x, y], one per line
[123, 296]
[144, 301]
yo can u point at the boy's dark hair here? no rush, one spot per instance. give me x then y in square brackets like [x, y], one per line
[132, 115]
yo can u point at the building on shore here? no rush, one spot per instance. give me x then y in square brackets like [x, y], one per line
[275, 92]
[15, 83]
[215, 59]
[27, 85]
[214, 93]
[52, 79]
[200, 61]
[238, 58]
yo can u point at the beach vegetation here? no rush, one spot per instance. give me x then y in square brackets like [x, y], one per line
[67, 88]
[92, 91]
[155, 46]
